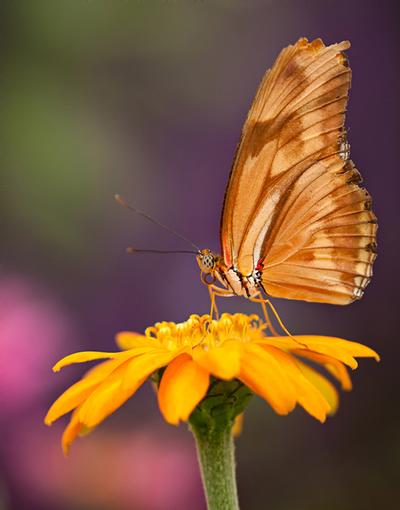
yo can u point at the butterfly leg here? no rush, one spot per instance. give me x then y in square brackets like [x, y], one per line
[215, 291]
[214, 307]
[264, 303]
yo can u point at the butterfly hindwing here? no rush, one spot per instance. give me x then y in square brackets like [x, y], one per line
[324, 252]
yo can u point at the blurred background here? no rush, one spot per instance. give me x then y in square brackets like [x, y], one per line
[147, 99]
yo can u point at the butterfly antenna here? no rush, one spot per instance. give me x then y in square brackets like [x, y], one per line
[122, 202]
[131, 249]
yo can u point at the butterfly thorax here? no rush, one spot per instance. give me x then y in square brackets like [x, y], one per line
[213, 269]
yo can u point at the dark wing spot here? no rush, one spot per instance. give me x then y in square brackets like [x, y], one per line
[355, 178]
[372, 247]
[368, 205]
[344, 59]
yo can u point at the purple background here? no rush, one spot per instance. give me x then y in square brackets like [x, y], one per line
[148, 100]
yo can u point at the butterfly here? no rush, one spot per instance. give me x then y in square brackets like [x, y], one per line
[295, 222]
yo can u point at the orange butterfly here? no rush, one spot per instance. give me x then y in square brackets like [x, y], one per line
[295, 222]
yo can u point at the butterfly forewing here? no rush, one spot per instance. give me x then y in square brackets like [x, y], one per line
[293, 201]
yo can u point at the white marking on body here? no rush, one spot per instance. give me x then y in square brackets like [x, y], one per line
[242, 286]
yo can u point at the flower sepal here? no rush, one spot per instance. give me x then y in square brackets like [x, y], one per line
[225, 400]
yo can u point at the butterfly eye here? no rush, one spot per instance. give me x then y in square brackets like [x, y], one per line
[206, 262]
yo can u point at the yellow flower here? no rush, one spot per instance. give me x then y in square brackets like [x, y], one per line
[233, 347]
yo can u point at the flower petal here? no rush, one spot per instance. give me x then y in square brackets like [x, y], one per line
[307, 395]
[104, 400]
[338, 348]
[238, 425]
[140, 367]
[342, 350]
[70, 399]
[183, 385]
[222, 362]
[332, 365]
[327, 389]
[128, 340]
[78, 392]
[120, 386]
[71, 432]
[82, 357]
[261, 372]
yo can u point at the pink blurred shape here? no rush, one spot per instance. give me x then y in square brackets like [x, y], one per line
[150, 469]
[146, 469]
[33, 329]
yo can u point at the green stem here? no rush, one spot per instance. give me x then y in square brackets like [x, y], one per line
[211, 423]
[215, 449]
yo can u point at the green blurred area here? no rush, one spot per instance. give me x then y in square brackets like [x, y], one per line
[57, 143]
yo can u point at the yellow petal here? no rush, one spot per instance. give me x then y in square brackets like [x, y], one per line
[183, 385]
[128, 340]
[82, 357]
[261, 372]
[327, 389]
[222, 362]
[70, 399]
[79, 391]
[333, 366]
[71, 432]
[238, 425]
[338, 348]
[140, 367]
[104, 400]
[119, 386]
[307, 395]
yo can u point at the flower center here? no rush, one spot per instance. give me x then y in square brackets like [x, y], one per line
[204, 332]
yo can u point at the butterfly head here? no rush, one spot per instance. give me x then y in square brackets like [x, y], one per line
[207, 261]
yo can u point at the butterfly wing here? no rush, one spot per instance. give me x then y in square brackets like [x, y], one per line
[293, 200]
